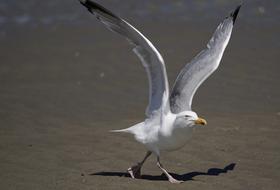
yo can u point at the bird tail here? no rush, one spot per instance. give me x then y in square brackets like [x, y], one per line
[131, 130]
[120, 131]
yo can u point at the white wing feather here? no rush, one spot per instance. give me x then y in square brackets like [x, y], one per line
[144, 49]
[201, 67]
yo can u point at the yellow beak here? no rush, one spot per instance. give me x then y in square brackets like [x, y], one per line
[200, 121]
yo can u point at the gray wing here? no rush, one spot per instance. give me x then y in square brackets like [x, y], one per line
[201, 67]
[144, 49]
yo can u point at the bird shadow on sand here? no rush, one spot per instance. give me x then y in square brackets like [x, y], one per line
[162, 177]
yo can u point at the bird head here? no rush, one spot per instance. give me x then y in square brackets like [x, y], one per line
[190, 118]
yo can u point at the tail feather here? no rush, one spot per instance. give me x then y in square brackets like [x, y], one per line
[131, 130]
[120, 131]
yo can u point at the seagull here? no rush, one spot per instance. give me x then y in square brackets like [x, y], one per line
[169, 119]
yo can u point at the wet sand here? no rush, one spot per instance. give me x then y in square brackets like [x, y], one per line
[63, 89]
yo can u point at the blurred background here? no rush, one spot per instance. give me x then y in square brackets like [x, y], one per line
[50, 13]
[65, 80]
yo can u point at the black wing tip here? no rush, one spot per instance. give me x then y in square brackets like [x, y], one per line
[91, 6]
[234, 14]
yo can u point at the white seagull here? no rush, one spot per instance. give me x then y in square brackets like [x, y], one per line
[170, 119]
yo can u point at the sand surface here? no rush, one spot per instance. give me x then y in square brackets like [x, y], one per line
[63, 88]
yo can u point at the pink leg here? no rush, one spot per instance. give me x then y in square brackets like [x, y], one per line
[170, 178]
[135, 171]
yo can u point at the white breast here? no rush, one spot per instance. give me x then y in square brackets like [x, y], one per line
[175, 140]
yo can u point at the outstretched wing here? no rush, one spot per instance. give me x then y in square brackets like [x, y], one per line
[201, 67]
[144, 49]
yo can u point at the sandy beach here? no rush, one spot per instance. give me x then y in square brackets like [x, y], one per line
[64, 87]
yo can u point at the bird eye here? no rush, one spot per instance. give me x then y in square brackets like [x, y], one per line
[187, 116]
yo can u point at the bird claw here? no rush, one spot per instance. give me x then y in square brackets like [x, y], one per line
[175, 181]
[135, 171]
